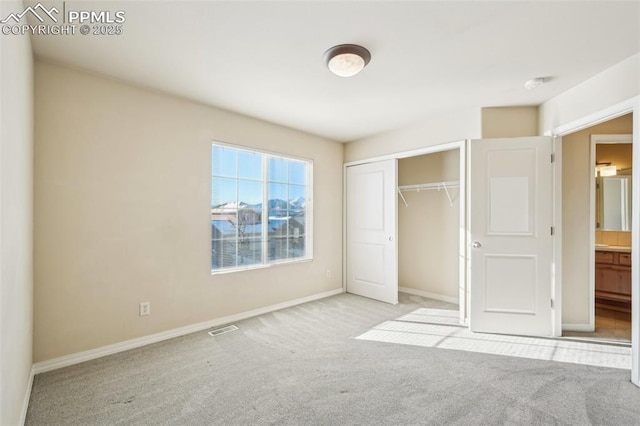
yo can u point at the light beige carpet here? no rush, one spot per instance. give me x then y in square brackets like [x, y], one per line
[438, 328]
[306, 366]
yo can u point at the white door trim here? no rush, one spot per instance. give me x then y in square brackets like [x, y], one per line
[462, 264]
[412, 153]
[630, 105]
[556, 290]
[609, 113]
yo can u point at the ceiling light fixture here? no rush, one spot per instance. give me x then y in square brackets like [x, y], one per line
[346, 60]
[608, 171]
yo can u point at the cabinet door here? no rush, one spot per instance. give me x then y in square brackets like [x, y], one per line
[607, 279]
[600, 284]
[624, 259]
[604, 257]
[624, 282]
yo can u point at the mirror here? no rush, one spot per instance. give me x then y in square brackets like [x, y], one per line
[613, 202]
[613, 193]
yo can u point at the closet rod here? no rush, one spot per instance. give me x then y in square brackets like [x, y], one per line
[428, 186]
[432, 185]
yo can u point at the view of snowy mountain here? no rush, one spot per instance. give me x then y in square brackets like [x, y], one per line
[296, 204]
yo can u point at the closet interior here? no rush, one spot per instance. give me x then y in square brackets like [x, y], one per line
[428, 225]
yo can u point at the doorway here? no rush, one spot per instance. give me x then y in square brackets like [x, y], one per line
[435, 175]
[597, 295]
[429, 225]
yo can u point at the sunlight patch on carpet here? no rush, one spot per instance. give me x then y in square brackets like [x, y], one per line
[438, 328]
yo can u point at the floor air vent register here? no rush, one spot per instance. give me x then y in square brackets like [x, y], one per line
[223, 330]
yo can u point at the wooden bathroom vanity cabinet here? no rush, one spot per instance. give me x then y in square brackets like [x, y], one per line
[613, 279]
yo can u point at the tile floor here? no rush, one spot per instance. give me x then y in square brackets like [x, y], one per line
[610, 325]
[614, 324]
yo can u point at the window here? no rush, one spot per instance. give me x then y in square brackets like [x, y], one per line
[260, 208]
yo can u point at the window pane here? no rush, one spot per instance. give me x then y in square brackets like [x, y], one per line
[286, 238]
[278, 170]
[278, 205]
[297, 199]
[297, 172]
[249, 251]
[223, 192]
[277, 242]
[223, 238]
[297, 241]
[249, 165]
[229, 254]
[223, 161]
[249, 193]
[223, 253]
[249, 223]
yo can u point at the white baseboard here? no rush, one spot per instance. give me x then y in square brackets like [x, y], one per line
[67, 360]
[429, 295]
[577, 327]
[27, 397]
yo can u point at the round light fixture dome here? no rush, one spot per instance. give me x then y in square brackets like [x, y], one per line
[346, 60]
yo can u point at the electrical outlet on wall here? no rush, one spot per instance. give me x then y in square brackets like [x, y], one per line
[145, 308]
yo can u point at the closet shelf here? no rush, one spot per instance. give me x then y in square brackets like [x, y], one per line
[429, 186]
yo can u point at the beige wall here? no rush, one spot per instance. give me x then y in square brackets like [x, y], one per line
[122, 198]
[576, 176]
[434, 130]
[509, 122]
[428, 228]
[16, 221]
[619, 154]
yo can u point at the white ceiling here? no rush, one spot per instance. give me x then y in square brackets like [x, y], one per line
[264, 58]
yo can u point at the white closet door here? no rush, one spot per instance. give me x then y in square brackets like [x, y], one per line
[372, 251]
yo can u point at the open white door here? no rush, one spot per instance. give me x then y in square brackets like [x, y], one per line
[510, 219]
[372, 254]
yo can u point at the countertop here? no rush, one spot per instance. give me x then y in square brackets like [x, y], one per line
[622, 249]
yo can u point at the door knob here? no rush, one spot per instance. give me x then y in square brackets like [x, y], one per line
[476, 244]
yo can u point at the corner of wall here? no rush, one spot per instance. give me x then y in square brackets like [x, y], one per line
[16, 222]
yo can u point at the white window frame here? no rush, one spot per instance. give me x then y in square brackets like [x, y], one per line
[266, 263]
